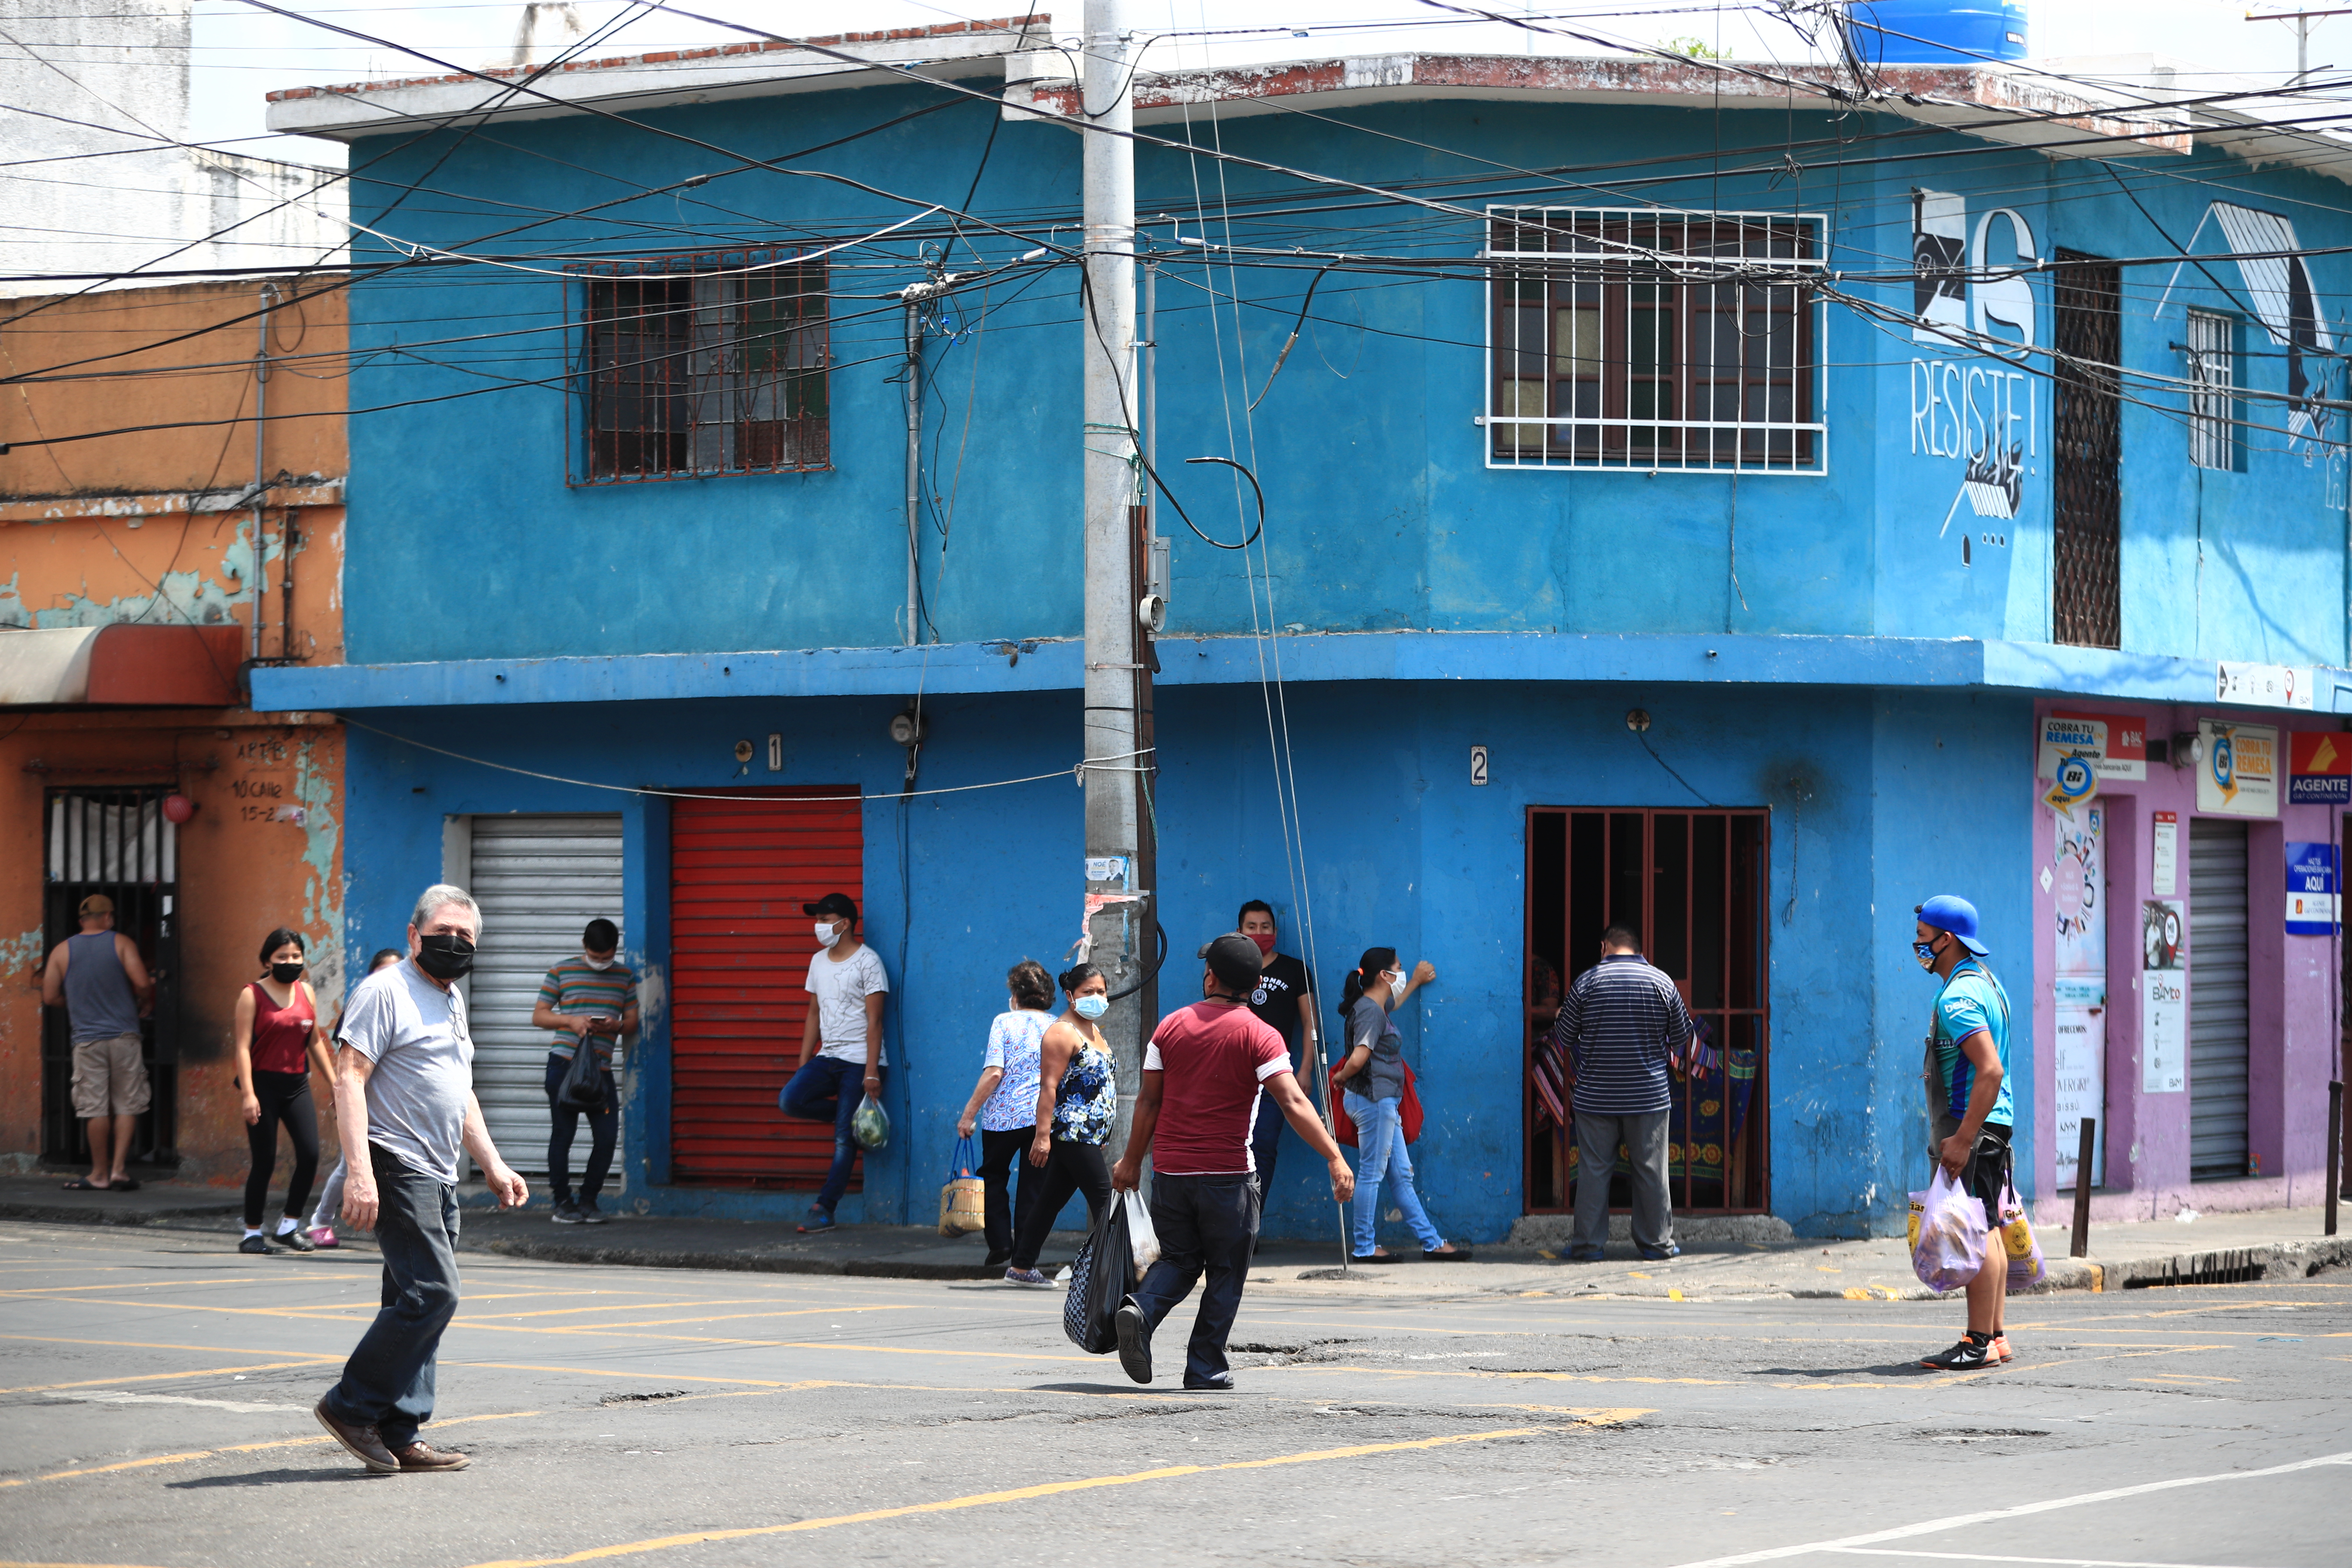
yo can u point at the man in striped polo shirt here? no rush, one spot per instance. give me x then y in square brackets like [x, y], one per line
[590, 998]
[1621, 1024]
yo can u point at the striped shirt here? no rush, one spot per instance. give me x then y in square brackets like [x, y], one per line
[573, 988]
[1620, 1023]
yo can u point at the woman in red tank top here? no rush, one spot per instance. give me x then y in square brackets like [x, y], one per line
[277, 1040]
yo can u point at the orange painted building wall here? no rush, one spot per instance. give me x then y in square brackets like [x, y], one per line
[156, 527]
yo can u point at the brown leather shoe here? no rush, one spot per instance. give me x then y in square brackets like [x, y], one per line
[420, 1457]
[365, 1443]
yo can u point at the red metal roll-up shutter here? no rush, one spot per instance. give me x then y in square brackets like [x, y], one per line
[739, 872]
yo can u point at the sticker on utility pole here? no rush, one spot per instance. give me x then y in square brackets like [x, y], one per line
[1477, 764]
[1106, 868]
[2311, 890]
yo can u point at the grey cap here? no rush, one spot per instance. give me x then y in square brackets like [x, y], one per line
[1234, 958]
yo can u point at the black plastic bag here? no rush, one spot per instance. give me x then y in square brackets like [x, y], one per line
[583, 1081]
[1099, 1281]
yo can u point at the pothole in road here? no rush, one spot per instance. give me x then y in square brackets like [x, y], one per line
[1980, 1434]
[634, 1397]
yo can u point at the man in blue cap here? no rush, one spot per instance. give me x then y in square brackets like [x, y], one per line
[1968, 1077]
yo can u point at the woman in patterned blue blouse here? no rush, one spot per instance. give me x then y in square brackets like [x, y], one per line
[1077, 1099]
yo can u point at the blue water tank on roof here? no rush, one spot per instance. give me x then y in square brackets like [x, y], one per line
[1939, 32]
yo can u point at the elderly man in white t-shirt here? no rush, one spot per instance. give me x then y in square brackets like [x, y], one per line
[404, 1106]
[841, 1045]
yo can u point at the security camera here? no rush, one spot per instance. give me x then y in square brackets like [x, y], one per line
[908, 727]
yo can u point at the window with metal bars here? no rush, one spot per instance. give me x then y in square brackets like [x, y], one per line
[2212, 385]
[1653, 340]
[692, 365]
[2087, 533]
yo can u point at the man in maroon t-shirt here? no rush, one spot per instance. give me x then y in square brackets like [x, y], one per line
[1202, 1074]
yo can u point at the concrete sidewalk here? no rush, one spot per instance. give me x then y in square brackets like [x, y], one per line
[2213, 1250]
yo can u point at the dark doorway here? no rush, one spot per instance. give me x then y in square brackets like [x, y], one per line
[2087, 577]
[116, 842]
[1692, 883]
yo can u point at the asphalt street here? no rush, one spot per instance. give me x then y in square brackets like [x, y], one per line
[157, 1390]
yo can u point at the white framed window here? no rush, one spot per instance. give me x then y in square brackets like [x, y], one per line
[2213, 387]
[1635, 339]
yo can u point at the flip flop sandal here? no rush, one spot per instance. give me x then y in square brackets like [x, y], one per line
[124, 1185]
[82, 1186]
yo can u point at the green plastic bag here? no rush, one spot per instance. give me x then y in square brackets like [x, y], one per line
[870, 1126]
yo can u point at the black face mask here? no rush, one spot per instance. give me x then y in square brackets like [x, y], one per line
[447, 956]
[286, 973]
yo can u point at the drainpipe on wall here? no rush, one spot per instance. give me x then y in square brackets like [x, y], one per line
[261, 427]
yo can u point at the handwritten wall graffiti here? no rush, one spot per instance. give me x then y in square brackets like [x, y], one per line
[1968, 298]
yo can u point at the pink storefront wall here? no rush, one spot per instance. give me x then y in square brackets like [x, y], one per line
[2294, 996]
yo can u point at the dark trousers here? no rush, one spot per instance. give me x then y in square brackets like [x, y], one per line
[1265, 1143]
[1206, 1222]
[999, 1159]
[388, 1382]
[827, 1089]
[284, 1098]
[563, 1121]
[1070, 1167]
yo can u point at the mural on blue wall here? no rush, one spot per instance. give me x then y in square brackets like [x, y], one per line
[1965, 299]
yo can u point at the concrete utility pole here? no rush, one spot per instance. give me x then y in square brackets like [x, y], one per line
[1117, 856]
[2302, 17]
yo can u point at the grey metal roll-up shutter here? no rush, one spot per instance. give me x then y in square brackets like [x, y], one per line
[2217, 999]
[538, 880]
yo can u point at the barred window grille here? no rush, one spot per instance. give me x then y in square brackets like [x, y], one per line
[2212, 377]
[704, 364]
[1645, 339]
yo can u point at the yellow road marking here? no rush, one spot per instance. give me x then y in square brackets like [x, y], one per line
[1016, 1494]
[131, 1285]
[167, 1377]
[232, 1449]
[716, 1318]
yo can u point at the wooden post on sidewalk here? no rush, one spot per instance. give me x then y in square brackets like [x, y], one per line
[2081, 1243]
[2335, 1149]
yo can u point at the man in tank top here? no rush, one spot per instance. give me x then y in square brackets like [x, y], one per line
[96, 975]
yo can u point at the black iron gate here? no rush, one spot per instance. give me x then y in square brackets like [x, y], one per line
[116, 842]
[2086, 569]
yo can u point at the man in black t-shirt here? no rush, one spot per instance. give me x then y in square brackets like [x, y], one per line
[1283, 999]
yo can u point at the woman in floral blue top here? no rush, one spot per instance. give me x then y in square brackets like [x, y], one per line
[1077, 1097]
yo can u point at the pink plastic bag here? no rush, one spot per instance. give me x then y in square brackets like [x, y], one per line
[2017, 1240]
[1950, 1249]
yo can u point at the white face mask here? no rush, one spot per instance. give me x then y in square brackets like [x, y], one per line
[828, 934]
[1395, 977]
[595, 962]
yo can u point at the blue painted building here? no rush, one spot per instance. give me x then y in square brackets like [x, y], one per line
[1711, 497]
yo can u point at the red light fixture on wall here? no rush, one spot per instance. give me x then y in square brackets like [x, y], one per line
[178, 809]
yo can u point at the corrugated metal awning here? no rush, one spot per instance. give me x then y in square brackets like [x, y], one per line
[121, 666]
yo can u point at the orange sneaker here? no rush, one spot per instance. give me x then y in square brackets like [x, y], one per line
[2001, 1349]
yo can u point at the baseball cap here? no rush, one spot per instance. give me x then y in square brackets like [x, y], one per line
[97, 904]
[1234, 958]
[832, 904]
[1946, 912]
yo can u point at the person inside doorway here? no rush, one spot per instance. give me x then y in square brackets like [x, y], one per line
[1203, 1072]
[841, 1056]
[1622, 1025]
[1373, 1079]
[589, 999]
[1004, 1103]
[275, 1036]
[1968, 1076]
[331, 1198]
[1284, 1000]
[97, 977]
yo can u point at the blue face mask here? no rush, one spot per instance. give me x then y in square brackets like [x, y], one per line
[1927, 951]
[1091, 1006]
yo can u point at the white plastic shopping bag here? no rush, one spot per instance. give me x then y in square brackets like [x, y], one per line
[1140, 1236]
[1950, 1248]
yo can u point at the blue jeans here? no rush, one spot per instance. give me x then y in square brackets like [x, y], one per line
[1381, 1151]
[827, 1089]
[1266, 1143]
[563, 1121]
[388, 1382]
[1204, 1223]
